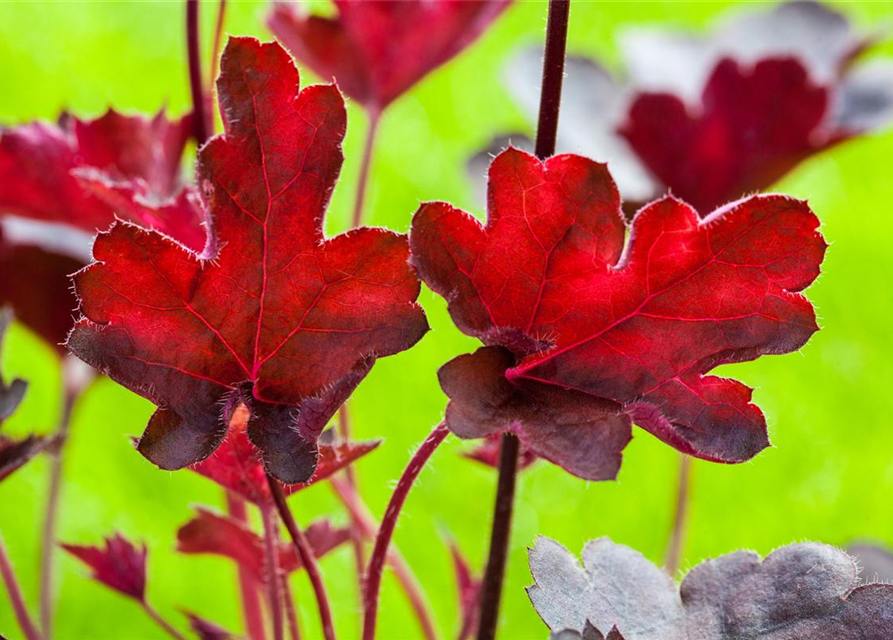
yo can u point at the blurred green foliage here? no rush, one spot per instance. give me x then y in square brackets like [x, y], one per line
[829, 477]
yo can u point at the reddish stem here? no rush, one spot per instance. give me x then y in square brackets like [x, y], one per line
[356, 539]
[680, 517]
[29, 631]
[218, 41]
[389, 522]
[363, 520]
[491, 587]
[251, 609]
[368, 148]
[308, 560]
[161, 622]
[294, 630]
[75, 378]
[193, 50]
[272, 568]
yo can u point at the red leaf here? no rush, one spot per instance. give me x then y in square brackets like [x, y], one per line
[487, 453]
[281, 319]
[546, 279]
[237, 465]
[378, 49]
[752, 126]
[120, 566]
[221, 535]
[84, 172]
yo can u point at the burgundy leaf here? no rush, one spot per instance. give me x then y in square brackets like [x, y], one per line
[282, 319]
[206, 630]
[799, 591]
[754, 125]
[636, 327]
[120, 565]
[237, 465]
[44, 169]
[221, 535]
[582, 434]
[378, 49]
[487, 453]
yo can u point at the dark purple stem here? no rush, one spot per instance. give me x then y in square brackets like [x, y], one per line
[680, 517]
[308, 560]
[389, 522]
[29, 631]
[366, 164]
[546, 134]
[271, 554]
[494, 574]
[254, 619]
[193, 50]
[553, 76]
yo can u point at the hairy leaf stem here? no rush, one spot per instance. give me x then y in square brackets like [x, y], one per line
[194, 61]
[389, 522]
[308, 560]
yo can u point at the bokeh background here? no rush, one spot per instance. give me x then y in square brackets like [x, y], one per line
[829, 477]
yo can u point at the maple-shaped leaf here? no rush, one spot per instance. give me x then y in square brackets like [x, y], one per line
[237, 464]
[378, 49]
[281, 319]
[222, 535]
[598, 326]
[799, 591]
[12, 394]
[85, 172]
[206, 630]
[120, 566]
[488, 451]
[589, 633]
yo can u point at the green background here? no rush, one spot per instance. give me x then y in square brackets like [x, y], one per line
[829, 477]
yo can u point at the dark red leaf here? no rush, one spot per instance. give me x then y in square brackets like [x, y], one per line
[281, 319]
[798, 592]
[487, 453]
[582, 434]
[754, 124]
[84, 172]
[378, 49]
[221, 535]
[120, 565]
[206, 630]
[545, 279]
[237, 465]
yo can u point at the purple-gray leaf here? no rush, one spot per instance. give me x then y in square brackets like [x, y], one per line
[799, 592]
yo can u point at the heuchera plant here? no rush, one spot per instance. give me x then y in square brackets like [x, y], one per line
[223, 303]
